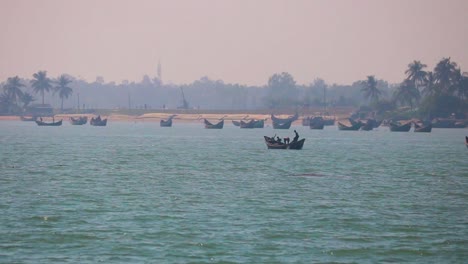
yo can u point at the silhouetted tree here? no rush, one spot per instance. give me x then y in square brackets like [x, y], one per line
[13, 89]
[26, 99]
[416, 74]
[407, 94]
[370, 89]
[281, 90]
[41, 83]
[62, 88]
[445, 75]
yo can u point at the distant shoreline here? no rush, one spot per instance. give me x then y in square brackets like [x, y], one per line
[156, 117]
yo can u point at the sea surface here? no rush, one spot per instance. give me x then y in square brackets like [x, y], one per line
[133, 192]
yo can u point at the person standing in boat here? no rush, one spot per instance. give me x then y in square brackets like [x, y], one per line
[296, 137]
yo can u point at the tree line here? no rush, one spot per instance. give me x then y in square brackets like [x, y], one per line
[429, 94]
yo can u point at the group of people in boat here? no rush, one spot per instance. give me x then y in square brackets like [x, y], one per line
[276, 139]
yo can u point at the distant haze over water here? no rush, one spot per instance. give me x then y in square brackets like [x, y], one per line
[236, 41]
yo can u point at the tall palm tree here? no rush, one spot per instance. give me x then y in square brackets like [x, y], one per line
[41, 83]
[62, 88]
[445, 75]
[407, 94]
[13, 88]
[430, 87]
[370, 89]
[416, 74]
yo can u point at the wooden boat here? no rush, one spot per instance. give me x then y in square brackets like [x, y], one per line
[328, 122]
[397, 127]
[422, 127]
[284, 120]
[209, 125]
[316, 123]
[32, 118]
[98, 121]
[41, 123]
[369, 124]
[79, 121]
[249, 124]
[344, 127]
[165, 123]
[273, 144]
[259, 123]
[283, 125]
[168, 122]
[236, 123]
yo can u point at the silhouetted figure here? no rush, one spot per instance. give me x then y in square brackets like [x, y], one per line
[278, 139]
[286, 140]
[296, 137]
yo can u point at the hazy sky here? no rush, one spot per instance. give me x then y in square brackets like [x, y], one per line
[238, 41]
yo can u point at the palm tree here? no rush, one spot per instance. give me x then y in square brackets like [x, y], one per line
[416, 74]
[430, 87]
[407, 93]
[41, 83]
[26, 99]
[370, 89]
[445, 75]
[13, 88]
[63, 90]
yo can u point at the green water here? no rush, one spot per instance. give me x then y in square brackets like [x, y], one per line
[138, 193]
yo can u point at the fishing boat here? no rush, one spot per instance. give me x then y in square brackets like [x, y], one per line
[81, 120]
[166, 123]
[282, 125]
[249, 124]
[273, 144]
[316, 123]
[209, 125]
[397, 127]
[344, 127]
[41, 123]
[32, 118]
[369, 124]
[259, 123]
[422, 127]
[252, 124]
[284, 120]
[98, 121]
[329, 121]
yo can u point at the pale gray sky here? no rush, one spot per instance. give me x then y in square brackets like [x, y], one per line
[238, 41]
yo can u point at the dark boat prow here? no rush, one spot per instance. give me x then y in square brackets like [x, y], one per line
[166, 123]
[209, 125]
[422, 127]
[466, 141]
